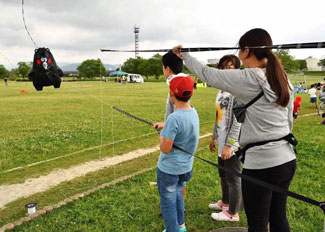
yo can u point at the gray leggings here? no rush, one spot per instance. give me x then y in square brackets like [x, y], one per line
[231, 185]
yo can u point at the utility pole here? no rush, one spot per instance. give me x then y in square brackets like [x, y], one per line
[136, 32]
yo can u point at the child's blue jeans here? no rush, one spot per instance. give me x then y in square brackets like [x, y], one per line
[170, 189]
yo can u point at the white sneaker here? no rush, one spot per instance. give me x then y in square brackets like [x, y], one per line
[218, 206]
[224, 216]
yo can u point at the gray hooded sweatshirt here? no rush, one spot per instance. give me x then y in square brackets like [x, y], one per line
[265, 120]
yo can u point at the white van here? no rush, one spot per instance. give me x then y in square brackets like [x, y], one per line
[134, 78]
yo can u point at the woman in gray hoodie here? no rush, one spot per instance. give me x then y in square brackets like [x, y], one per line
[269, 118]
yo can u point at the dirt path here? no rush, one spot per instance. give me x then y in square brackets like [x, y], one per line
[31, 186]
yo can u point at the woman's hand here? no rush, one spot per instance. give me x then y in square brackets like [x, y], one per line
[212, 146]
[177, 51]
[226, 152]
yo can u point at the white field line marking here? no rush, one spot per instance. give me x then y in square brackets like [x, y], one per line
[31, 186]
[47, 209]
[86, 149]
[306, 115]
[76, 152]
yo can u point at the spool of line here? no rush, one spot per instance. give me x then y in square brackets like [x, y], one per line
[151, 183]
[31, 208]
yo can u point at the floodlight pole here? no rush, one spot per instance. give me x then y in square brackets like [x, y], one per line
[136, 32]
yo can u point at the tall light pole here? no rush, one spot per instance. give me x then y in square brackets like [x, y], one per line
[136, 32]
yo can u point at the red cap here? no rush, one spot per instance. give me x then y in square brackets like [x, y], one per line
[182, 84]
[298, 99]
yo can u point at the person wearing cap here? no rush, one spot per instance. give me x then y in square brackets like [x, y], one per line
[172, 66]
[175, 167]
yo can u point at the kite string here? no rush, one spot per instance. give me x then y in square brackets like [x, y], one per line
[113, 141]
[7, 59]
[102, 109]
[112, 116]
[23, 13]
[208, 49]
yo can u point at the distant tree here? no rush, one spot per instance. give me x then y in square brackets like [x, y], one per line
[154, 66]
[302, 64]
[212, 65]
[14, 72]
[3, 72]
[24, 68]
[186, 70]
[322, 63]
[133, 65]
[288, 62]
[91, 68]
[146, 67]
[143, 68]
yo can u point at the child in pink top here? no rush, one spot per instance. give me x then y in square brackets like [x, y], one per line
[296, 107]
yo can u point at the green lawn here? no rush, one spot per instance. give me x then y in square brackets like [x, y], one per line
[38, 126]
[310, 79]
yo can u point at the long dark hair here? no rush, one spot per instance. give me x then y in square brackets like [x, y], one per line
[275, 73]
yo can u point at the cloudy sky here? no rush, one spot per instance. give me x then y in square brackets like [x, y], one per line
[75, 30]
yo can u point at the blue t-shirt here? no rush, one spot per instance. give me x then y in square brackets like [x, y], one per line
[183, 127]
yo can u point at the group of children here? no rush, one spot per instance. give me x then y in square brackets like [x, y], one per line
[313, 100]
[181, 128]
[181, 133]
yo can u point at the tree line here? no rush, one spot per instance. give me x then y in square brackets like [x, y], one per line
[21, 71]
[147, 67]
[139, 65]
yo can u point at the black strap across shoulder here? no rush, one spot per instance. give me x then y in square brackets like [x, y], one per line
[290, 138]
[239, 110]
[261, 182]
[254, 100]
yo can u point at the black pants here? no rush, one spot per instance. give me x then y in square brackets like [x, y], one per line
[231, 185]
[263, 206]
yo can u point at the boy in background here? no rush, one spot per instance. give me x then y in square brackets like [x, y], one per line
[172, 66]
[175, 167]
[313, 96]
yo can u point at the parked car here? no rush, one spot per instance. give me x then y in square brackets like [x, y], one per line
[134, 78]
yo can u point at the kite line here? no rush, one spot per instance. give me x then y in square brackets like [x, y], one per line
[23, 13]
[209, 49]
[243, 176]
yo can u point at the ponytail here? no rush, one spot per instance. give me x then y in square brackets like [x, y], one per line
[275, 73]
[277, 79]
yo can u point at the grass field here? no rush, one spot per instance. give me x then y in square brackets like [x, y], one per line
[38, 126]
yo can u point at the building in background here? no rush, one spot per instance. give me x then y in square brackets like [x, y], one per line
[213, 61]
[312, 64]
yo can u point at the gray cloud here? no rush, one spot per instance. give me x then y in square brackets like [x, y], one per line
[76, 29]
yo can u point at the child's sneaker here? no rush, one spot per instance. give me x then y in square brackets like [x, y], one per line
[218, 206]
[224, 216]
[182, 229]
